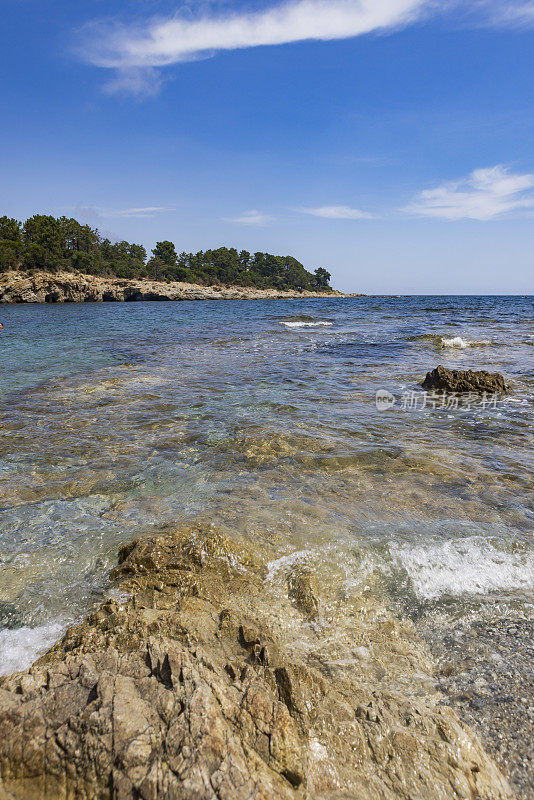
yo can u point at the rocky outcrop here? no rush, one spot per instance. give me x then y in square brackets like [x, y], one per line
[457, 380]
[189, 687]
[67, 287]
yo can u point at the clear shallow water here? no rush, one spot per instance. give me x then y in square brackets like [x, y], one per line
[260, 416]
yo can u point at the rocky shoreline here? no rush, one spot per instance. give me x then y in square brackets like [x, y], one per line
[199, 682]
[67, 287]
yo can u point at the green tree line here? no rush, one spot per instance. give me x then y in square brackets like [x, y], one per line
[60, 244]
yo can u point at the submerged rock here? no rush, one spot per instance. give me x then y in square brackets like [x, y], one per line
[188, 690]
[442, 379]
[303, 590]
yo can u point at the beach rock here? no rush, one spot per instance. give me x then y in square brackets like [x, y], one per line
[442, 379]
[188, 690]
[67, 287]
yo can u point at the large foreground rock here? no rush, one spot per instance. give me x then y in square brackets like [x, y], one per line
[188, 689]
[442, 379]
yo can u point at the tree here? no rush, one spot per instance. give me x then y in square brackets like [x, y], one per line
[82, 247]
[166, 253]
[44, 243]
[322, 278]
[244, 260]
[11, 245]
[164, 261]
[123, 259]
[49, 243]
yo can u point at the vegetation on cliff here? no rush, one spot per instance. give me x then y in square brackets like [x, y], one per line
[61, 244]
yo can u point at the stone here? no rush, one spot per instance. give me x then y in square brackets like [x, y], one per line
[303, 590]
[442, 379]
[164, 696]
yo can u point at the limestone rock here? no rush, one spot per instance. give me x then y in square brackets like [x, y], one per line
[67, 287]
[188, 691]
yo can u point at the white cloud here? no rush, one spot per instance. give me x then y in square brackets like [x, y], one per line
[252, 217]
[507, 13]
[336, 212]
[137, 50]
[137, 213]
[161, 42]
[485, 194]
[93, 214]
[139, 81]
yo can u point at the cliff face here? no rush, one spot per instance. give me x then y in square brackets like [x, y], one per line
[66, 287]
[193, 686]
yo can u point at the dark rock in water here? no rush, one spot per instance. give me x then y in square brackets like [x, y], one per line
[442, 379]
[303, 590]
[189, 689]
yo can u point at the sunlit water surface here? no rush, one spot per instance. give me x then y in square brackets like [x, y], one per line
[260, 416]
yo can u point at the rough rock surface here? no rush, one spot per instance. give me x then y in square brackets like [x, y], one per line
[66, 287]
[187, 690]
[442, 379]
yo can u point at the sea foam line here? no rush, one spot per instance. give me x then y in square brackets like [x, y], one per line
[316, 324]
[457, 341]
[464, 566]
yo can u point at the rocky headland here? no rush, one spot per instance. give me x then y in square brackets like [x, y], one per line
[68, 287]
[198, 682]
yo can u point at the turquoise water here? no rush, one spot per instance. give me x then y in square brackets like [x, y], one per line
[259, 417]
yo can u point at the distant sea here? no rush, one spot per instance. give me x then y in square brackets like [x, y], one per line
[120, 420]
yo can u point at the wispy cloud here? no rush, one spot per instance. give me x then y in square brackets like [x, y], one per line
[133, 213]
[336, 212]
[136, 51]
[95, 213]
[252, 217]
[484, 195]
[139, 81]
[161, 42]
[506, 13]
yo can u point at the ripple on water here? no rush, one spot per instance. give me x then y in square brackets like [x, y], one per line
[262, 420]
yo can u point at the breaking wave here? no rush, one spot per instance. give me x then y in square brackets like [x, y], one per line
[450, 341]
[457, 341]
[465, 566]
[20, 647]
[305, 323]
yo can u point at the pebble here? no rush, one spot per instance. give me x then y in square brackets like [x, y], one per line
[492, 689]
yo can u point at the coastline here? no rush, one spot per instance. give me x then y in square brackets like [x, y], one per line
[67, 287]
[187, 683]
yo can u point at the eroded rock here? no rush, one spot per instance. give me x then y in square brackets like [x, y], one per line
[187, 690]
[67, 287]
[442, 379]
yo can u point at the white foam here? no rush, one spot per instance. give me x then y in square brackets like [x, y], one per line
[19, 647]
[463, 566]
[457, 341]
[315, 324]
[285, 563]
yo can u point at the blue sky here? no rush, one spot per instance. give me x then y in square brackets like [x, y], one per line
[390, 141]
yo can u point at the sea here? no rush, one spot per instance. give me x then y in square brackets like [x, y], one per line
[260, 417]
